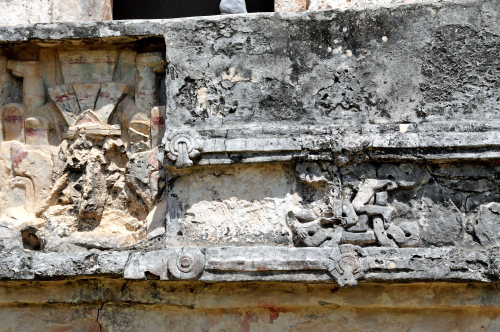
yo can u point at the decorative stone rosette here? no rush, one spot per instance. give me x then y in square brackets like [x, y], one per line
[183, 145]
[186, 263]
[346, 268]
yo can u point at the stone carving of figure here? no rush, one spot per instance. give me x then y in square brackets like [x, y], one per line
[324, 221]
[233, 7]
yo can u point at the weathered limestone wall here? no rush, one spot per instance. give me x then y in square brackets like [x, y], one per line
[42, 11]
[181, 161]
[367, 105]
[114, 305]
[301, 5]
[332, 135]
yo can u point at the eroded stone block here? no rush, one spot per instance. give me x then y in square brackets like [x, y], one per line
[488, 223]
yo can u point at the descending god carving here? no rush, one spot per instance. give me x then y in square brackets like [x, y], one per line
[393, 205]
[79, 131]
[342, 215]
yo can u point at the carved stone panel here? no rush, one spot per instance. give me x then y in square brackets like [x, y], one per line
[78, 150]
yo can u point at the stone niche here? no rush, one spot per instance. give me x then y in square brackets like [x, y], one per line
[314, 147]
[80, 123]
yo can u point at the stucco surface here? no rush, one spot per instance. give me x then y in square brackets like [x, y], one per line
[107, 305]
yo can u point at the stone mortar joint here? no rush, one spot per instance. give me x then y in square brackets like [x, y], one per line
[182, 146]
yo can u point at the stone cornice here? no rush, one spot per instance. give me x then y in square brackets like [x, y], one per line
[345, 265]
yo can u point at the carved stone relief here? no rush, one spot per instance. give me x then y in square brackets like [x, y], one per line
[395, 205]
[314, 147]
[78, 156]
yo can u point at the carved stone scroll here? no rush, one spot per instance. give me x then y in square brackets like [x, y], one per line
[183, 264]
[182, 146]
[187, 263]
[346, 269]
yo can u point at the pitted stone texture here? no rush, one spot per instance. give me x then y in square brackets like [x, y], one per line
[335, 67]
[345, 265]
[301, 5]
[231, 205]
[488, 224]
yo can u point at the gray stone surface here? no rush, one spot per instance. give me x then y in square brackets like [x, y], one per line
[345, 265]
[321, 146]
[488, 224]
[333, 67]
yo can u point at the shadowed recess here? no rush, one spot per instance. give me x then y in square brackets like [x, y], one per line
[157, 9]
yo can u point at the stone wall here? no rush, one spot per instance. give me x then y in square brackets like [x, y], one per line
[114, 305]
[325, 148]
[14, 12]
[318, 130]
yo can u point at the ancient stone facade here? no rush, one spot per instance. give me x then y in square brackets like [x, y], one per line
[328, 149]
[80, 131]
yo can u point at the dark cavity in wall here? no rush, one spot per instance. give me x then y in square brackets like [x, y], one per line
[156, 9]
[31, 241]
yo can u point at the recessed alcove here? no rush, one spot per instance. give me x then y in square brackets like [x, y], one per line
[158, 9]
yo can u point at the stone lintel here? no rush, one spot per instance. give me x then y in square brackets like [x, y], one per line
[228, 264]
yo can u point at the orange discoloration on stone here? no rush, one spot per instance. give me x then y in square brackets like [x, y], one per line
[274, 311]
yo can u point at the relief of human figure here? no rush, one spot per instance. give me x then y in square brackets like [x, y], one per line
[372, 201]
[25, 148]
[323, 222]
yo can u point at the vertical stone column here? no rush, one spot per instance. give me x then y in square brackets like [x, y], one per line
[33, 88]
[157, 125]
[36, 131]
[12, 116]
[148, 65]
